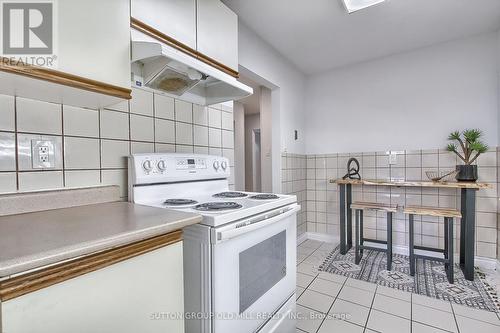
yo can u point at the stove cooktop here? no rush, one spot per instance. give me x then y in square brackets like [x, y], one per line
[217, 206]
[230, 195]
[180, 202]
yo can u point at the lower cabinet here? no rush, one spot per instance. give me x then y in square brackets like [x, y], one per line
[142, 294]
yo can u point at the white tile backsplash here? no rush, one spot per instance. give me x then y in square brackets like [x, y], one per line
[184, 133]
[81, 153]
[7, 151]
[7, 113]
[141, 128]
[227, 120]
[200, 135]
[114, 125]
[164, 107]
[215, 137]
[38, 117]
[114, 154]
[200, 115]
[80, 178]
[214, 118]
[164, 131]
[141, 102]
[8, 182]
[183, 111]
[45, 180]
[80, 122]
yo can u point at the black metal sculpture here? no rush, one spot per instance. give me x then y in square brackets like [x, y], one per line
[352, 171]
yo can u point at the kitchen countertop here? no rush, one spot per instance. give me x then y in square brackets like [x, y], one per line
[34, 240]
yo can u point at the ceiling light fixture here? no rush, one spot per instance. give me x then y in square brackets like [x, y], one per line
[355, 5]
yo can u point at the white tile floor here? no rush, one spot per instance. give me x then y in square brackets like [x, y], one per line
[329, 303]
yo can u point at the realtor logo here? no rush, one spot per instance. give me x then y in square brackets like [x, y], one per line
[28, 28]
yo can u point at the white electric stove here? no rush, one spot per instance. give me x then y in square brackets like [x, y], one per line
[239, 263]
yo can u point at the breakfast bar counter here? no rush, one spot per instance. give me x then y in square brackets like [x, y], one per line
[468, 210]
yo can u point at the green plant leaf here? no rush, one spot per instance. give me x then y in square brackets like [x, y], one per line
[479, 147]
[454, 136]
[472, 135]
[452, 147]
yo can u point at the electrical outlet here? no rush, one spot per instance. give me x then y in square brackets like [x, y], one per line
[43, 154]
[393, 158]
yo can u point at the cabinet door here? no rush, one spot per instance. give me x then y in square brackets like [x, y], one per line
[174, 18]
[127, 297]
[94, 40]
[218, 32]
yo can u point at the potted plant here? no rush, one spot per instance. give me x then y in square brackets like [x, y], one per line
[471, 147]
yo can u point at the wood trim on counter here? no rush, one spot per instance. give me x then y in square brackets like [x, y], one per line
[66, 79]
[46, 277]
[160, 36]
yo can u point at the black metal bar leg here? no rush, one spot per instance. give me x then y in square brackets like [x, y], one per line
[342, 221]
[449, 272]
[446, 242]
[410, 245]
[349, 216]
[361, 236]
[469, 234]
[463, 208]
[356, 237]
[389, 241]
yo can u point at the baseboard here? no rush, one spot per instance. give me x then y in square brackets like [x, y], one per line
[302, 238]
[481, 262]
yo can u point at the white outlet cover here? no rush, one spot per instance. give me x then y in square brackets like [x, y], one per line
[43, 154]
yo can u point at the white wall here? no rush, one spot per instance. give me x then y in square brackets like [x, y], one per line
[251, 122]
[288, 100]
[406, 101]
[266, 123]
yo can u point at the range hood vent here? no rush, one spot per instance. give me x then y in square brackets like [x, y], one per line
[163, 68]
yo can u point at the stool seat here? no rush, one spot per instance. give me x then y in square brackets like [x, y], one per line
[374, 206]
[433, 211]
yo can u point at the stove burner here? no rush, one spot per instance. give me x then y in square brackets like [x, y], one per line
[180, 202]
[264, 197]
[217, 206]
[230, 195]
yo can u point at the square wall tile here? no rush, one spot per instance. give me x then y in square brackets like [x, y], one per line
[201, 150]
[7, 151]
[38, 117]
[164, 148]
[114, 154]
[214, 137]
[122, 106]
[227, 120]
[164, 107]
[200, 135]
[7, 113]
[164, 131]
[200, 115]
[141, 102]
[141, 128]
[228, 140]
[214, 118]
[81, 178]
[183, 111]
[8, 182]
[24, 148]
[142, 147]
[183, 133]
[184, 149]
[81, 153]
[40, 180]
[80, 122]
[114, 125]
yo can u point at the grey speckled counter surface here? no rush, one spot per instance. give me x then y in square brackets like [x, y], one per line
[33, 240]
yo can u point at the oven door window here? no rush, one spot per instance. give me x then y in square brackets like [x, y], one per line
[260, 268]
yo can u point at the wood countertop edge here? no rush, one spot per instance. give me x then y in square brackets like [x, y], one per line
[372, 182]
[34, 280]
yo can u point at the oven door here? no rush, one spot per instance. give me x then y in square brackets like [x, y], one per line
[254, 270]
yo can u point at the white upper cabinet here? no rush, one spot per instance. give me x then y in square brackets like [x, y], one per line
[94, 40]
[218, 32]
[174, 18]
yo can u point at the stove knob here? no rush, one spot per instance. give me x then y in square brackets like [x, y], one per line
[224, 165]
[147, 165]
[162, 166]
[216, 165]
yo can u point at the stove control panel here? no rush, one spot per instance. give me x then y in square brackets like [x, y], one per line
[173, 167]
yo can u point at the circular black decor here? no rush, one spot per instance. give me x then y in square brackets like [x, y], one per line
[217, 206]
[230, 195]
[264, 197]
[180, 202]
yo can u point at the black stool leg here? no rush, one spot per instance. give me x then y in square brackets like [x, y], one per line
[410, 245]
[449, 272]
[446, 243]
[356, 237]
[389, 241]
[361, 237]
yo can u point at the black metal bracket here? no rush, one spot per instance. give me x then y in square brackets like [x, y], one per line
[352, 171]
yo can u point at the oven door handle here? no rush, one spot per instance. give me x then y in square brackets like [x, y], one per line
[255, 223]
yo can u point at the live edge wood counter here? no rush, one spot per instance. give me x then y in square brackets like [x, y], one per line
[40, 249]
[468, 212]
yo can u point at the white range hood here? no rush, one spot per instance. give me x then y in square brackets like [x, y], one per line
[160, 67]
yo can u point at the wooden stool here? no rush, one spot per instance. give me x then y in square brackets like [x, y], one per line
[448, 215]
[359, 207]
